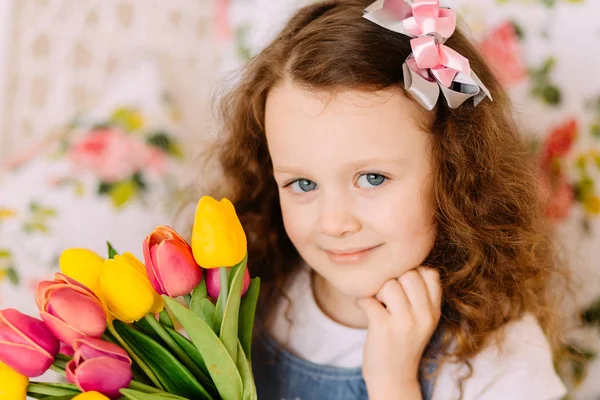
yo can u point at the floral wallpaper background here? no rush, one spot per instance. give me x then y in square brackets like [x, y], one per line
[114, 170]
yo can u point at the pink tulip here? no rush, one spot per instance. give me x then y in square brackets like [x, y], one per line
[99, 366]
[170, 264]
[213, 283]
[69, 309]
[26, 344]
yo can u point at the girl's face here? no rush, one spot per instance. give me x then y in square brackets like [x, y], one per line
[355, 183]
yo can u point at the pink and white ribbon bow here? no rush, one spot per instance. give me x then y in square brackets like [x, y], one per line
[431, 67]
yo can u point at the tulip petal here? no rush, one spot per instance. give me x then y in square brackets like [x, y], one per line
[105, 375]
[176, 267]
[91, 348]
[82, 265]
[128, 293]
[218, 239]
[66, 350]
[29, 330]
[159, 304]
[73, 284]
[150, 270]
[82, 312]
[13, 386]
[24, 359]
[70, 371]
[213, 282]
[90, 396]
[162, 233]
[237, 232]
[62, 331]
[41, 292]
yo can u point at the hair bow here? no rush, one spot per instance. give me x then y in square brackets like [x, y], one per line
[431, 67]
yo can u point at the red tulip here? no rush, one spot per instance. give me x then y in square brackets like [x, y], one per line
[69, 309]
[213, 283]
[99, 366]
[26, 344]
[170, 264]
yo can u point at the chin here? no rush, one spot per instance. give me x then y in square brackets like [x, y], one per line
[359, 286]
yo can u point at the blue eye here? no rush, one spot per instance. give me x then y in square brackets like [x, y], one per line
[371, 180]
[303, 185]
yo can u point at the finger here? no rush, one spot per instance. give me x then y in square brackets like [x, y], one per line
[432, 280]
[394, 298]
[374, 310]
[414, 286]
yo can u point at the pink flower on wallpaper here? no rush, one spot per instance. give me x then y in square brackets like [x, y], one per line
[156, 161]
[110, 154]
[502, 50]
[558, 197]
[559, 141]
[222, 22]
[557, 192]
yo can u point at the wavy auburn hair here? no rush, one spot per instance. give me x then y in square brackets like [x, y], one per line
[492, 249]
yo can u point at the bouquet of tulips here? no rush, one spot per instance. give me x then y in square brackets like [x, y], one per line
[178, 327]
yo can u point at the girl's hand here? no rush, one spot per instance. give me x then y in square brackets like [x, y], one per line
[401, 319]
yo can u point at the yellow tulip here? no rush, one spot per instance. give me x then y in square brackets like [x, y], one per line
[13, 386]
[90, 396]
[128, 294]
[83, 265]
[218, 239]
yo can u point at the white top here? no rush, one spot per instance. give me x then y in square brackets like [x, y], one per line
[521, 369]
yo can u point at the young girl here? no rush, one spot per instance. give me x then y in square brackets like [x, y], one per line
[391, 211]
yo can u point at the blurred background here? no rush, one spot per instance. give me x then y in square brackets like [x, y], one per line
[106, 104]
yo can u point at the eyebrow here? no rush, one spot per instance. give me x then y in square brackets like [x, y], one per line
[355, 165]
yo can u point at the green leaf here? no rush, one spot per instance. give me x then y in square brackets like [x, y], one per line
[595, 130]
[219, 309]
[552, 95]
[144, 327]
[161, 140]
[229, 326]
[104, 187]
[165, 319]
[200, 291]
[205, 309]
[243, 364]
[13, 276]
[195, 355]
[221, 367]
[201, 305]
[111, 251]
[247, 313]
[173, 376]
[137, 395]
[139, 181]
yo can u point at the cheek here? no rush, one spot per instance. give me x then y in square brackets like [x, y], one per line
[296, 222]
[406, 214]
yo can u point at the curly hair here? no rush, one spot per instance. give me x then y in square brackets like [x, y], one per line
[493, 248]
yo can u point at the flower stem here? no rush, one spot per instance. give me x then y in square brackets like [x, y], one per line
[41, 388]
[182, 355]
[144, 388]
[58, 369]
[135, 357]
[224, 286]
[107, 338]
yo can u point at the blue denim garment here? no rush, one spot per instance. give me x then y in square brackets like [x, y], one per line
[280, 375]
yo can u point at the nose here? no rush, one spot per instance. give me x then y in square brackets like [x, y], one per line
[338, 218]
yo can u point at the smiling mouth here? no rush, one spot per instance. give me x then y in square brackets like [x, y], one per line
[350, 255]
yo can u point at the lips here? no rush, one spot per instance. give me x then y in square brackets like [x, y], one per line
[350, 255]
